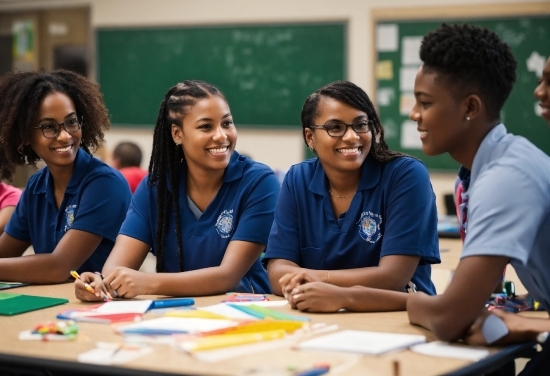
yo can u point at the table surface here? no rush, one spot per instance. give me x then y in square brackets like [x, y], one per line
[165, 359]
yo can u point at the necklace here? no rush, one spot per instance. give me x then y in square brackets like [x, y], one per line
[346, 196]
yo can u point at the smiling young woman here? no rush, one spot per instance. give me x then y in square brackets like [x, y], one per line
[58, 118]
[204, 210]
[357, 215]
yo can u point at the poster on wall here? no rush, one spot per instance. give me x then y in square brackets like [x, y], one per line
[24, 56]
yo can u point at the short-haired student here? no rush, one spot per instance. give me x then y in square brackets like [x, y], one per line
[204, 210]
[64, 212]
[127, 160]
[357, 215]
[466, 76]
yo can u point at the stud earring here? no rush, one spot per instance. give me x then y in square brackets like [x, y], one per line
[177, 143]
[467, 118]
[312, 148]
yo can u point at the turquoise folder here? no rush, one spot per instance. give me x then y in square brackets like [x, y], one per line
[14, 304]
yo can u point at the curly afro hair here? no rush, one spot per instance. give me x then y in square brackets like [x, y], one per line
[23, 92]
[472, 58]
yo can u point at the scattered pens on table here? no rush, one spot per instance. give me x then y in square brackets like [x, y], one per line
[244, 297]
[88, 288]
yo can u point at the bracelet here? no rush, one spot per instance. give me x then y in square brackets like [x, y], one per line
[99, 274]
[328, 278]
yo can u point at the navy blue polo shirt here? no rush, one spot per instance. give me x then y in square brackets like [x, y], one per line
[241, 210]
[393, 212]
[96, 200]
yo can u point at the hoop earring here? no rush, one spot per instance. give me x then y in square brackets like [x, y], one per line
[20, 149]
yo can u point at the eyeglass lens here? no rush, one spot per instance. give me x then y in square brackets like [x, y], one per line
[336, 128]
[51, 130]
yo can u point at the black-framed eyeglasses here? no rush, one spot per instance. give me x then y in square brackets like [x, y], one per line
[52, 129]
[338, 128]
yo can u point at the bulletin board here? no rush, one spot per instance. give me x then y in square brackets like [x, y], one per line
[525, 27]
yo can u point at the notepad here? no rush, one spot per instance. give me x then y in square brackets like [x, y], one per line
[109, 312]
[14, 304]
[363, 342]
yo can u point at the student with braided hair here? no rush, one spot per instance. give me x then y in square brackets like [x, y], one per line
[357, 215]
[204, 210]
[64, 213]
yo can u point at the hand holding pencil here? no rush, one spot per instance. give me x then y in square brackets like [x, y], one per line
[83, 287]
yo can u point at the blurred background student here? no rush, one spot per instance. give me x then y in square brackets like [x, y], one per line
[203, 210]
[127, 160]
[9, 197]
[71, 210]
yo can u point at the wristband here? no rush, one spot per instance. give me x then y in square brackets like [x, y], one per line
[99, 274]
[493, 329]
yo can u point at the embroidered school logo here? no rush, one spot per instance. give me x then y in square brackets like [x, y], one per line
[224, 224]
[69, 214]
[369, 226]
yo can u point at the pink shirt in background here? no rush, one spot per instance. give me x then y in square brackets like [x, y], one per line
[9, 195]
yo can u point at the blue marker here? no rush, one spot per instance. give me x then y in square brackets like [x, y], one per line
[315, 371]
[168, 303]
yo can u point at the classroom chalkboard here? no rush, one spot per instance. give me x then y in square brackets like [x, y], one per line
[266, 72]
[397, 63]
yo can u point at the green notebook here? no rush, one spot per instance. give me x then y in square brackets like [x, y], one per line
[14, 304]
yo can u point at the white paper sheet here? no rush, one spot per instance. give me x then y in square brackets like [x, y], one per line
[131, 306]
[446, 350]
[362, 342]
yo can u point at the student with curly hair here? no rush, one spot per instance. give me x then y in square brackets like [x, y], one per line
[204, 210]
[357, 215]
[64, 213]
[466, 76]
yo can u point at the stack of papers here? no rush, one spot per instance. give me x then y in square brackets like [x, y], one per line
[109, 312]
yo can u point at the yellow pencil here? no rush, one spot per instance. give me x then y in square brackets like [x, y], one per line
[227, 340]
[88, 288]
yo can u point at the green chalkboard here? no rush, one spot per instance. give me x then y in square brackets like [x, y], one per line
[266, 72]
[527, 36]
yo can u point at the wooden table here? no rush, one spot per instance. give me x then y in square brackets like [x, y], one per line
[62, 356]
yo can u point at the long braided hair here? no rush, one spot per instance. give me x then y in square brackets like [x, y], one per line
[21, 95]
[352, 95]
[166, 158]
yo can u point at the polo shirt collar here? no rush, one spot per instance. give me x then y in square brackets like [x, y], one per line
[370, 177]
[483, 154]
[80, 169]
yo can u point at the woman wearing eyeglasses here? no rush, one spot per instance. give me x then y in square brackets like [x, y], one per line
[357, 215]
[71, 210]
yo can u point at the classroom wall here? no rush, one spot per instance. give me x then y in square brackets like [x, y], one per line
[277, 148]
